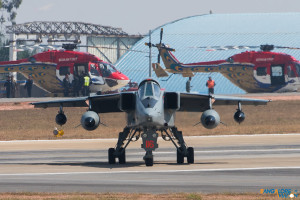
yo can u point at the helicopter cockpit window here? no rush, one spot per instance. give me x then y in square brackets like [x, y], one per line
[64, 71]
[290, 72]
[106, 69]
[297, 68]
[261, 71]
[94, 70]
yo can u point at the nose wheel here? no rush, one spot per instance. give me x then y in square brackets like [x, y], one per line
[148, 158]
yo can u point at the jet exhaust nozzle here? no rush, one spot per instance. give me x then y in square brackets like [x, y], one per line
[239, 116]
[90, 120]
[210, 119]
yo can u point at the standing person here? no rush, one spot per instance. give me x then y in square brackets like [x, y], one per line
[81, 83]
[75, 86]
[28, 85]
[7, 85]
[66, 85]
[13, 87]
[86, 85]
[211, 85]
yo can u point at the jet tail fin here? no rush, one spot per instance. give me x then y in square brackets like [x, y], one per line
[159, 71]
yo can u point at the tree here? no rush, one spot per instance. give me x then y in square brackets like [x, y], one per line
[4, 51]
[11, 6]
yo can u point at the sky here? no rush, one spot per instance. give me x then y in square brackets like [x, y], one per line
[140, 16]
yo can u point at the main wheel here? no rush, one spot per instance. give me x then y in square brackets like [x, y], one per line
[111, 156]
[149, 161]
[190, 156]
[180, 157]
[122, 158]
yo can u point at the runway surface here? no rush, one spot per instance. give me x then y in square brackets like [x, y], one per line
[222, 164]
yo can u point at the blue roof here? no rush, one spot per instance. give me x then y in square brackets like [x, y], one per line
[280, 29]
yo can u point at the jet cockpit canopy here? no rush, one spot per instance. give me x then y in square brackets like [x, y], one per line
[149, 88]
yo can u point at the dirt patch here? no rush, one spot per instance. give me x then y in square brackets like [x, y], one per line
[16, 106]
[19, 121]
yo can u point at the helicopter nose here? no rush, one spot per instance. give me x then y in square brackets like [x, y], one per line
[118, 76]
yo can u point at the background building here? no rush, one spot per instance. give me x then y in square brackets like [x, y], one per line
[108, 43]
[110, 49]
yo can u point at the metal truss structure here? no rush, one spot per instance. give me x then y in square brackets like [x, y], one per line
[66, 29]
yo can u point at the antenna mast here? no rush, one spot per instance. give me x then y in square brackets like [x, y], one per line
[150, 54]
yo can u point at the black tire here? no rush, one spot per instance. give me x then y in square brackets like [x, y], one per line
[122, 158]
[180, 157]
[190, 156]
[149, 162]
[111, 156]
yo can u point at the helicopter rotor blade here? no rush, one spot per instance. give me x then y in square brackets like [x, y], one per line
[282, 47]
[160, 40]
[224, 48]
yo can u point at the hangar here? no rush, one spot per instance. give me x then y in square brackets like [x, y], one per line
[186, 34]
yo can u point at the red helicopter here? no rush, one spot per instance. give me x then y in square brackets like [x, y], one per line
[49, 68]
[252, 71]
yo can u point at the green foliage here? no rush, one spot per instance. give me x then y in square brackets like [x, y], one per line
[11, 6]
[194, 196]
[24, 54]
[4, 51]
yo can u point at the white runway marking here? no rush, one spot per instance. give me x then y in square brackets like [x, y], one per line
[156, 171]
[223, 151]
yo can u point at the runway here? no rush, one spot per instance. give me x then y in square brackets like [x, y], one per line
[222, 164]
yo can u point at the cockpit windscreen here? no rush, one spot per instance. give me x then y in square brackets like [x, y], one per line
[149, 89]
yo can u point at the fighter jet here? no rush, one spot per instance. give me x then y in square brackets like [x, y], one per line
[150, 112]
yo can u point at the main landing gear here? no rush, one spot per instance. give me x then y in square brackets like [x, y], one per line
[182, 150]
[149, 137]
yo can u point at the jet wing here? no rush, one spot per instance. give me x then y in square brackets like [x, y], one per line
[74, 102]
[105, 103]
[190, 102]
[230, 100]
[99, 103]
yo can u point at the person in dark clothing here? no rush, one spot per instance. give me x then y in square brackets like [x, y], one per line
[28, 85]
[75, 86]
[66, 85]
[80, 84]
[13, 87]
[8, 86]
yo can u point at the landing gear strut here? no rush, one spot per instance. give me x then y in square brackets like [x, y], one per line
[149, 137]
[119, 151]
[182, 150]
